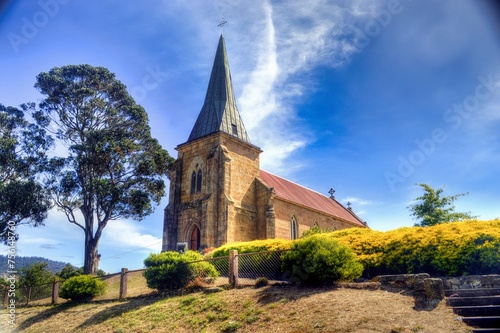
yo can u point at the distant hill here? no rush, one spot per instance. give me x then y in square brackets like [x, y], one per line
[53, 266]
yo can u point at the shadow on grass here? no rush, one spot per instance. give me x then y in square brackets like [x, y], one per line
[286, 293]
[118, 309]
[44, 315]
[69, 307]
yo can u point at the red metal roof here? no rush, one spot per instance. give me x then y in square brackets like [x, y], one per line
[290, 191]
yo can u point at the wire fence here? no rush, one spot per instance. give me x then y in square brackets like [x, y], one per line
[252, 266]
[234, 270]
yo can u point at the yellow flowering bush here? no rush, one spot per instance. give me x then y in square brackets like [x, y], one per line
[458, 248]
[253, 246]
[449, 249]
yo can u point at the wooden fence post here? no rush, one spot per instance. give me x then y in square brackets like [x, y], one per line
[55, 291]
[233, 268]
[123, 284]
[5, 296]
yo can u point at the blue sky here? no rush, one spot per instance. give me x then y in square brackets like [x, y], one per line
[368, 97]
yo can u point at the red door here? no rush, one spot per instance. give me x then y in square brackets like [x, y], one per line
[195, 239]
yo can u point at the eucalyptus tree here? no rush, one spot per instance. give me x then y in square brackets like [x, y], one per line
[112, 167]
[23, 145]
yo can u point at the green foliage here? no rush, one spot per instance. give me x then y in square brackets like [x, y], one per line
[170, 270]
[314, 230]
[69, 271]
[434, 208]
[22, 157]
[316, 260]
[253, 246]
[261, 282]
[450, 249]
[82, 288]
[35, 280]
[114, 168]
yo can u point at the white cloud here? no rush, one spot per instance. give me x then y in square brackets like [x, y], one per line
[359, 201]
[128, 235]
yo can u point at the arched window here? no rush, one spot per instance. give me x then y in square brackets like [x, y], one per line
[194, 241]
[294, 228]
[198, 182]
[193, 182]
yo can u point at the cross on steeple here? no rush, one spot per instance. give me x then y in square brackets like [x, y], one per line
[332, 191]
[222, 24]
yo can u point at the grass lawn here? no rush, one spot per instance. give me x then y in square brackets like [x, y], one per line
[268, 309]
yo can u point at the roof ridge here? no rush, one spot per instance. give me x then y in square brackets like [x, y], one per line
[290, 181]
[294, 196]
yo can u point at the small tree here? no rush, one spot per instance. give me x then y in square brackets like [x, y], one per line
[35, 280]
[434, 209]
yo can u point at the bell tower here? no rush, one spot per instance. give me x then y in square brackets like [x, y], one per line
[212, 199]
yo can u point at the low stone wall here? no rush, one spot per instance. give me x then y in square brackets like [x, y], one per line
[472, 282]
[427, 291]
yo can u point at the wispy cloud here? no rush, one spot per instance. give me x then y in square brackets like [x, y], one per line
[294, 37]
[51, 246]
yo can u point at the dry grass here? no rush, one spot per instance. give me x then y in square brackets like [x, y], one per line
[269, 309]
[136, 286]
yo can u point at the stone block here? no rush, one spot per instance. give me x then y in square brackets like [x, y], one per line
[434, 288]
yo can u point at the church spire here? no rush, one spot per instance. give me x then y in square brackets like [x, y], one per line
[219, 112]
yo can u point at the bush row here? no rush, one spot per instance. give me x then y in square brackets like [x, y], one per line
[450, 249]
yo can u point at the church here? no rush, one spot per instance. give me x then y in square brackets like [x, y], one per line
[219, 194]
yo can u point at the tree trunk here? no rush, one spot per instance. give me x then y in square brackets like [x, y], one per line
[92, 257]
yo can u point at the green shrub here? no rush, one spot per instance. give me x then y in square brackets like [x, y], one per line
[170, 270]
[261, 282]
[317, 259]
[82, 288]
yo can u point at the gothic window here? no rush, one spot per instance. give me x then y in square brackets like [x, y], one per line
[193, 182]
[198, 182]
[294, 227]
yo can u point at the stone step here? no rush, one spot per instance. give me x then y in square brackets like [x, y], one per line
[486, 330]
[483, 322]
[473, 301]
[472, 292]
[476, 311]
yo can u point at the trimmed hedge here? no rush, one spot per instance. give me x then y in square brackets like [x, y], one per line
[317, 260]
[82, 288]
[172, 270]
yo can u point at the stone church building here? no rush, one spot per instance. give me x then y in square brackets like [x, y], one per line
[219, 194]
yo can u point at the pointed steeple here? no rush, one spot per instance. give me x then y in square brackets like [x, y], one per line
[219, 112]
